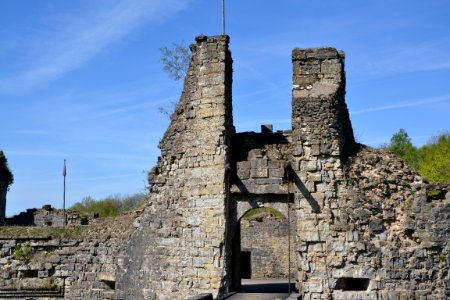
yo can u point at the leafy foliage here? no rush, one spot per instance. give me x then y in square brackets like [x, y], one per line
[402, 146]
[431, 160]
[175, 60]
[175, 63]
[435, 164]
[110, 206]
[23, 253]
[5, 173]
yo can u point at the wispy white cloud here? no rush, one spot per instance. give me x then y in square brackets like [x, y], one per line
[109, 155]
[81, 39]
[407, 58]
[403, 104]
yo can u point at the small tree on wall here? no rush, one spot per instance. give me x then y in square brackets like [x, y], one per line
[175, 63]
[175, 60]
[6, 177]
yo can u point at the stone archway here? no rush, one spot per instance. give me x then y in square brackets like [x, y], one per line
[263, 240]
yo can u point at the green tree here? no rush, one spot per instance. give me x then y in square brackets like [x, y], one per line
[175, 60]
[431, 160]
[5, 173]
[175, 63]
[402, 146]
[435, 163]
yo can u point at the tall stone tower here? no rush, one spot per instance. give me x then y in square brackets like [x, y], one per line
[321, 133]
[320, 120]
[179, 247]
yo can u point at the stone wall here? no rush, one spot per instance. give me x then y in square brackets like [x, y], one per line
[388, 231]
[366, 225]
[259, 160]
[81, 269]
[321, 131]
[76, 262]
[179, 247]
[360, 214]
[361, 230]
[266, 238]
[47, 216]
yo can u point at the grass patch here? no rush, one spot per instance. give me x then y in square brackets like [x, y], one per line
[120, 226]
[351, 182]
[435, 194]
[69, 233]
[23, 252]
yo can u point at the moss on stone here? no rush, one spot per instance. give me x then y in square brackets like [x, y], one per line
[262, 212]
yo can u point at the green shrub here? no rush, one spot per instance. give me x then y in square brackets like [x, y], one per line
[5, 173]
[111, 206]
[431, 160]
[23, 253]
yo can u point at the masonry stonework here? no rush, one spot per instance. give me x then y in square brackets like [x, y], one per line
[266, 240]
[363, 224]
[48, 216]
[77, 262]
[179, 247]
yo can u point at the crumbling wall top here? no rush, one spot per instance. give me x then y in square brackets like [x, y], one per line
[316, 53]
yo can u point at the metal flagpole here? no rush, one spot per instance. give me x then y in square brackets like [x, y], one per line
[64, 195]
[223, 17]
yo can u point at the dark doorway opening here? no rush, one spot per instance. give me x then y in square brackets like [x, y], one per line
[353, 284]
[246, 264]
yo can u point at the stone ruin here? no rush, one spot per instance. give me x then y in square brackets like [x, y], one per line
[364, 225]
[48, 216]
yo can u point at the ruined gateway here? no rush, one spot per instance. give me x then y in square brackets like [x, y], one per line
[365, 225]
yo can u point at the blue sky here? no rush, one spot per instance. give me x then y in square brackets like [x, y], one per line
[81, 80]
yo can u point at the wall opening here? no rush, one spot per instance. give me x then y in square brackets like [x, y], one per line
[353, 284]
[246, 264]
[28, 274]
[260, 252]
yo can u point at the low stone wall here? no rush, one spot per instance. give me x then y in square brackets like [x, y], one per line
[267, 241]
[76, 262]
[50, 217]
[72, 269]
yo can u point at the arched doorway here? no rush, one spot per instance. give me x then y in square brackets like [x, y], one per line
[263, 258]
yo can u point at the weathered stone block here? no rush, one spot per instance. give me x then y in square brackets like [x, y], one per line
[259, 173]
[259, 163]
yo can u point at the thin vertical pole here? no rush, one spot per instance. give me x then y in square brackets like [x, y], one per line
[223, 17]
[64, 195]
